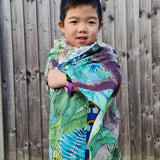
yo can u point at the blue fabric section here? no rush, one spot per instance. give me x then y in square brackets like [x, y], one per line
[73, 145]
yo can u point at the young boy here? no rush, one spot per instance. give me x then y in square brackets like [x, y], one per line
[83, 78]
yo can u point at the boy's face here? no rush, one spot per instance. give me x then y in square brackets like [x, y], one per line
[81, 25]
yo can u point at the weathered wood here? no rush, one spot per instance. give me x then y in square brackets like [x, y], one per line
[44, 41]
[146, 79]
[134, 79]
[57, 17]
[1, 122]
[53, 20]
[20, 80]
[108, 22]
[1, 107]
[122, 98]
[7, 82]
[156, 74]
[32, 64]
[26, 36]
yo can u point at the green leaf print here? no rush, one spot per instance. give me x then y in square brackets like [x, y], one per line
[54, 136]
[77, 121]
[57, 155]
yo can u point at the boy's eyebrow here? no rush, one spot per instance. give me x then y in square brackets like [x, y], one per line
[72, 17]
[92, 17]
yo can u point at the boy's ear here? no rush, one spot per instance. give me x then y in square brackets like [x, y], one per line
[100, 25]
[61, 26]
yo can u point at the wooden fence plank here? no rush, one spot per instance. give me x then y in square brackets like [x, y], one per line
[156, 74]
[1, 107]
[20, 80]
[31, 44]
[108, 22]
[56, 13]
[134, 79]
[44, 41]
[122, 98]
[52, 21]
[146, 79]
[7, 82]
[1, 121]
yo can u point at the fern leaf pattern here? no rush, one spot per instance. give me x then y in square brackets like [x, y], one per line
[73, 145]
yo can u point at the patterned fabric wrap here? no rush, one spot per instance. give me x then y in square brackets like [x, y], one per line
[95, 71]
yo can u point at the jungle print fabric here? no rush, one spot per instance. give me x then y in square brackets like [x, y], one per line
[95, 71]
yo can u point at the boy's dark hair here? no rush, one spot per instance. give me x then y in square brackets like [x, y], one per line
[67, 4]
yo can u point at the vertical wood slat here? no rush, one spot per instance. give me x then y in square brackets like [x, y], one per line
[57, 17]
[20, 80]
[146, 79]
[52, 21]
[122, 98]
[156, 74]
[1, 121]
[108, 22]
[31, 44]
[1, 106]
[134, 79]
[7, 82]
[44, 41]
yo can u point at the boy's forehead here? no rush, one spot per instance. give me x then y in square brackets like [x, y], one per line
[82, 10]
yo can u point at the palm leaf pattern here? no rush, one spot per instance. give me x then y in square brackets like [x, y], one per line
[73, 145]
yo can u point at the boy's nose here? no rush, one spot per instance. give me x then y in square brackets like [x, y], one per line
[82, 28]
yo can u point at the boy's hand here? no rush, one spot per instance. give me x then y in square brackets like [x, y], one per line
[56, 79]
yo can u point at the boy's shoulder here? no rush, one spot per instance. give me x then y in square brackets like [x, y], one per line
[107, 47]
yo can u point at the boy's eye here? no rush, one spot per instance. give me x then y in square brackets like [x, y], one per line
[91, 22]
[73, 22]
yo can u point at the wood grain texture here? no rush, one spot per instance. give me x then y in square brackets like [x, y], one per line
[33, 83]
[108, 34]
[56, 14]
[146, 79]
[8, 82]
[44, 45]
[122, 98]
[1, 106]
[20, 82]
[134, 79]
[156, 74]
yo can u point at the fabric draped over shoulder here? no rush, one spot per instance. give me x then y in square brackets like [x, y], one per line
[96, 72]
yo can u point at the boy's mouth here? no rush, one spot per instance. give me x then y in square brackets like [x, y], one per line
[81, 39]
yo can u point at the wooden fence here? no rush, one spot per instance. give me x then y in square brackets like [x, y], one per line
[27, 28]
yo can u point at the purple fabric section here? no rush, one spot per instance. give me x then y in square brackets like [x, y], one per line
[54, 63]
[102, 85]
[110, 64]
